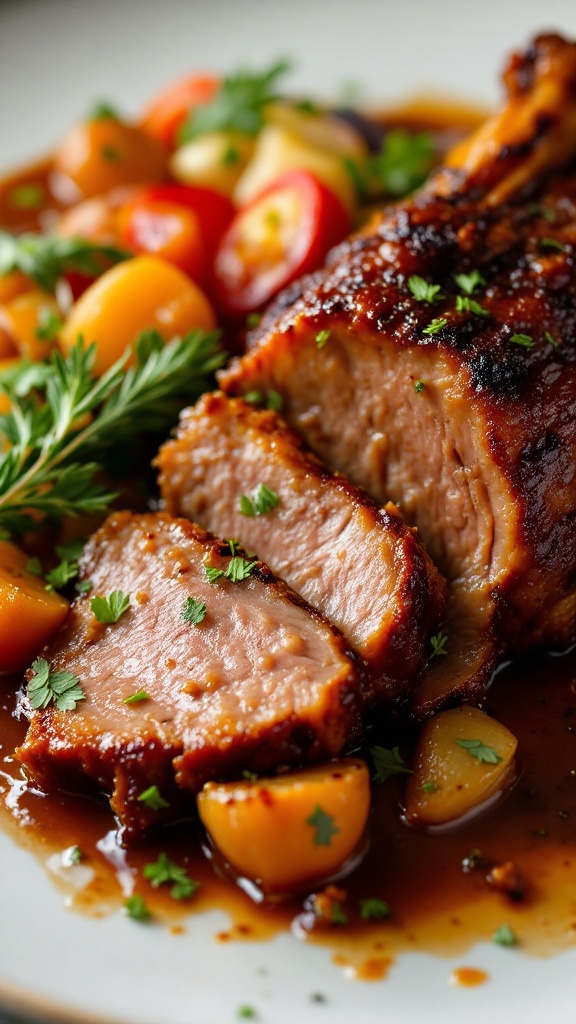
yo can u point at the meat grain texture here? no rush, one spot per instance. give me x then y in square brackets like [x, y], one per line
[459, 403]
[262, 680]
[358, 563]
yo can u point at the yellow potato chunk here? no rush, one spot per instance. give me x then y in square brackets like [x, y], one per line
[463, 759]
[290, 831]
[29, 614]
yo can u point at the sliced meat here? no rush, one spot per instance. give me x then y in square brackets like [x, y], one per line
[261, 681]
[359, 564]
[456, 396]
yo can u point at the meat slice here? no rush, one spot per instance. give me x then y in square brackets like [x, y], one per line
[359, 564]
[263, 680]
[455, 396]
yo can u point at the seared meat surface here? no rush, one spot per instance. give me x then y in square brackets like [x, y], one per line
[261, 681]
[354, 561]
[452, 395]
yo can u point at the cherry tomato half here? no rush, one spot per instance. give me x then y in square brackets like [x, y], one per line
[169, 108]
[284, 232]
[166, 229]
[214, 210]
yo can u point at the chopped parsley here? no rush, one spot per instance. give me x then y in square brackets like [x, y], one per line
[45, 258]
[468, 283]
[464, 304]
[551, 341]
[387, 763]
[46, 686]
[103, 111]
[419, 386]
[153, 799]
[438, 642]
[323, 825]
[504, 936]
[321, 338]
[436, 325]
[57, 578]
[522, 339]
[73, 855]
[71, 550]
[552, 243]
[270, 399]
[403, 162]
[263, 500]
[479, 750]
[193, 611]
[136, 698]
[166, 872]
[84, 587]
[34, 566]
[246, 1013]
[430, 787]
[373, 909]
[238, 569]
[252, 320]
[110, 609]
[50, 325]
[238, 105]
[338, 916]
[136, 909]
[29, 196]
[423, 291]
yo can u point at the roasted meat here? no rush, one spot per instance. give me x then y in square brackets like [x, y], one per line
[359, 564]
[262, 680]
[448, 381]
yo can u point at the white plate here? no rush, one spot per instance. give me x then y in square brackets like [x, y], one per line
[56, 57]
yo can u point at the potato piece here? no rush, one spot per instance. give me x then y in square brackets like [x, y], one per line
[215, 160]
[287, 832]
[141, 293]
[279, 150]
[324, 130]
[463, 759]
[29, 614]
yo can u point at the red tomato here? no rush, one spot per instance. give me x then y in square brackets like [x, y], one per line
[284, 232]
[167, 229]
[170, 108]
[213, 210]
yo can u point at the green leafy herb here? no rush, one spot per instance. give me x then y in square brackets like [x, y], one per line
[551, 341]
[322, 338]
[110, 609]
[464, 304]
[504, 936]
[46, 258]
[419, 386]
[46, 686]
[338, 916]
[252, 320]
[438, 642]
[153, 799]
[238, 105]
[373, 909]
[166, 872]
[271, 399]
[103, 111]
[468, 283]
[552, 243]
[246, 1013]
[34, 566]
[46, 465]
[387, 763]
[28, 196]
[239, 569]
[404, 162]
[136, 909]
[84, 587]
[50, 325]
[479, 750]
[58, 577]
[523, 339]
[422, 290]
[71, 856]
[193, 611]
[71, 550]
[323, 825]
[212, 574]
[263, 500]
[430, 787]
[249, 776]
[436, 325]
[136, 698]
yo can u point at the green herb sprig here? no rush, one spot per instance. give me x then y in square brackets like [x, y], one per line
[46, 258]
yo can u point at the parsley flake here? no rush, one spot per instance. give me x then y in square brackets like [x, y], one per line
[45, 258]
[136, 698]
[479, 750]
[166, 872]
[464, 304]
[136, 909]
[246, 1013]
[153, 799]
[522, 339]
[504, 936]
[84, 587]
[252, 320]
[29, 196]
[46, 686]
[57, 578]
[419, 386]
[238, 105]
[552, 243]
[551, 341]
[324, 826]
[438, 642]
[321, 338]
[73, 855]
[34, 566]
[193, 611]
[436, 325]
[263, 500]
[430, 787]
[469, 282]
[403, 162]
[49, 326]
[373, 909]
[423, 291]
[110, 609]
[387, 763]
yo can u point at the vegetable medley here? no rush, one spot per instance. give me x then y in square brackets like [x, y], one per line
[136, 257]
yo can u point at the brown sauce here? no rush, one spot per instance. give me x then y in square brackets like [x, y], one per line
[436, 906]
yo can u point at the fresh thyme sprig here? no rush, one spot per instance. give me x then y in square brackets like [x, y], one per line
[46, 468]
[45, 258]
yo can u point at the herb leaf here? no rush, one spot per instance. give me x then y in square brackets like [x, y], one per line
[58, 577]
[522, 339]
[469, 282]
[239, 569]
[322, 338]
[136, 698]
[464, 304]
[263, 500]
[136, 909]
[387, 763]
[45, 258]
[193, 611]
[46, 686]
[479, 750]
[165, 872]
[153, 799]
[422, 290]
[504, 936]
[110, 609]
[436, 325]
[438, 643]
[238, 105]
[403, 162]
[323, 825]
[373, 909]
